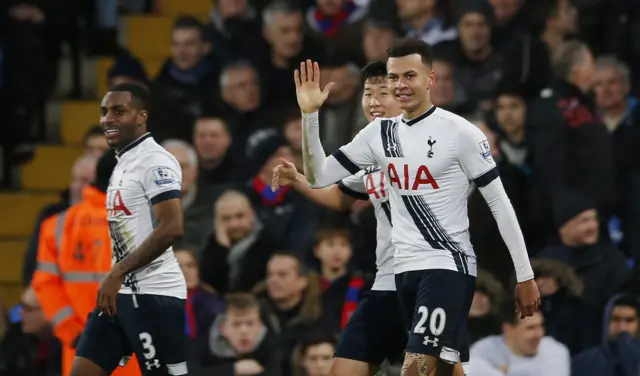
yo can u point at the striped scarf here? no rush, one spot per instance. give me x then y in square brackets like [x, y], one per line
[191, 328]
[329, 25]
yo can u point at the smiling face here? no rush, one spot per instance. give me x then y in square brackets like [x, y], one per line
[377, 101]
[409, 81]
[122, 120]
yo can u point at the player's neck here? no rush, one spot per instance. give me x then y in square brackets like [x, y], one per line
[412, 114]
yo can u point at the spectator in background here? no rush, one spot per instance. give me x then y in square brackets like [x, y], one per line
[511, 113]
[445, 91]
[127, 69]
[196, 201]
[510, 23]
[239, 247]
[289, 217]
[378, 35]
[212, 140]
[95, 142]
[290, 301]
[621, 115]
[619, 354]
[243, 107]
[523, 348]
[187, 78]
[291, 129]
[341, 287]
[314, 355]
[239, 343]
[567, 318]
[232, 31]
[204, 303]
[601, 267]
[477, 64]
[337, 24]
[422, 20]
[565, 134]
[82, 173]
[484, 315]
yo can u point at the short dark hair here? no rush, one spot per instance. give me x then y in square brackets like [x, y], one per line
[139, 94]
[328, 231]
[411, 46]
[94, 130]
[374, 69]
[188, 22]
[628, 300]
[316, 337]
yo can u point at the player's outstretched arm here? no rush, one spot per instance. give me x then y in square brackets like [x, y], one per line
[319, 169]
[285, 174]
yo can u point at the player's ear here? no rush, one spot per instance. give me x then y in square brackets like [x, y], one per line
[143, 116]
[432, 78]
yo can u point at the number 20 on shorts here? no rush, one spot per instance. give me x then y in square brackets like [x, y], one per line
[437, 321]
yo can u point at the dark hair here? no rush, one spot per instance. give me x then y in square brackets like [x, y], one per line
[410, 46]
[94, 130]
[139, 94]
[316, 337]
[374, 69]
[302, 268]
[188, 22]
[628, 300]
[327, 231]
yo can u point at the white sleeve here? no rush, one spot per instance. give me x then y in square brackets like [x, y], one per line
[502, 210]
[474, 155]
[321, 170]
[162, 178]
[354, 186]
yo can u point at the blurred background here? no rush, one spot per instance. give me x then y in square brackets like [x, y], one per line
[553, 84]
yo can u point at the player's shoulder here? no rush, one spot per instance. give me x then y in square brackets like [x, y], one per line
[453, 119]
[154, 155]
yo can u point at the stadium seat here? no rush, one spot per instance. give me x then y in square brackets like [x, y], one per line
[21, 211]
[178, 7]
[10, 294]
[12, 254]
[149, 36]
[151, 65]
[76, 118]
[50, 168]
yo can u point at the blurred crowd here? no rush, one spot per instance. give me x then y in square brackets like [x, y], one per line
[273, 278]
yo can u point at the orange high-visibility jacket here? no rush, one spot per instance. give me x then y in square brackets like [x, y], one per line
[74, 255]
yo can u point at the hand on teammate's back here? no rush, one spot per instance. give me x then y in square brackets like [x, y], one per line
[284, 175]
[527, 298]
[310, 97]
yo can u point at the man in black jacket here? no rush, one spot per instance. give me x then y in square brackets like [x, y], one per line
[571, 147]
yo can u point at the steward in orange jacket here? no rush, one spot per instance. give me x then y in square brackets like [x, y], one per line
[74, 255]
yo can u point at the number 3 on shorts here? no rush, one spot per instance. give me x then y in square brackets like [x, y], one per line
[147, 345]
[436, 322]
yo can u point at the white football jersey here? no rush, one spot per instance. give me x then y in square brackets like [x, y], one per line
[430, 163]
[369, 184]
[146, 174]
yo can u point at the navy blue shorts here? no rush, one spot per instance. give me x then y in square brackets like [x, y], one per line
[435, 305]
[152, 327]
[375, 331]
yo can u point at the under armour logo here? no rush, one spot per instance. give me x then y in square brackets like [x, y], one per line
[392, 147]
[154, 363]
[430, 142]
[428, 340]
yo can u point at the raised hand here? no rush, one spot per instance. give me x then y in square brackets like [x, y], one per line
[310, 97]
[284, 174]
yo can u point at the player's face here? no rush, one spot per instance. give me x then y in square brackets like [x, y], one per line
[189, 268]
[187, 48]
[511, 113]
[609, 88]
[237, 217]
[377, 101]
[284, 280]
[318, 359]
[96, 146]
[334, 252]
[121, 121]
[409, 81]
[528, 333]
[623, 319]
[241, 328]
[211, 139]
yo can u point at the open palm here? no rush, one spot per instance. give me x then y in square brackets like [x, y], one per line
[310, 97]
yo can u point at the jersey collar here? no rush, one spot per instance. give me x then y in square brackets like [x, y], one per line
[132, 145]
[419, 118]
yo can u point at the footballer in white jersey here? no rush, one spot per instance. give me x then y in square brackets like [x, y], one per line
[431, 158]
[375, 331]
[141, 302]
